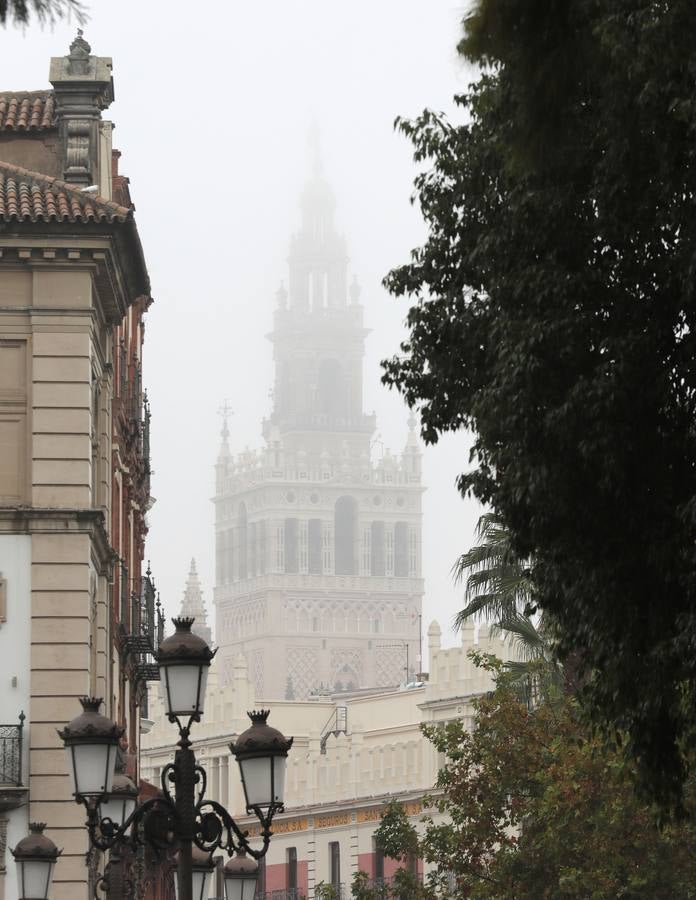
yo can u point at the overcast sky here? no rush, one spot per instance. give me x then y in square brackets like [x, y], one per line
[214, 101]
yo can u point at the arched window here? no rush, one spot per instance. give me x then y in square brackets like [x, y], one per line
[330, 388]
[401, 550]
[377, 554]
[345, 526]
[242, 528]
[314, 527]
[291, 548]
[252, 549]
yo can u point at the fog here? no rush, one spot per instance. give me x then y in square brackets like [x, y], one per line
[214, 102]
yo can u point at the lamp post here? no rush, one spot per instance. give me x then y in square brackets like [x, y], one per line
[184, 818]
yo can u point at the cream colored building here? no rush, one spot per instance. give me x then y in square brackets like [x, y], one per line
[71, 266]
[352, 752]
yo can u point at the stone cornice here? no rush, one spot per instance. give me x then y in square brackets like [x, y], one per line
[113, 251]
[62, 520]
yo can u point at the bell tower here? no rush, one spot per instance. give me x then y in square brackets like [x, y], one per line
[318, 336]
[318, 579]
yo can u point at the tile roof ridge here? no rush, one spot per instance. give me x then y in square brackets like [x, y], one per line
[73, 189]
[38, 92]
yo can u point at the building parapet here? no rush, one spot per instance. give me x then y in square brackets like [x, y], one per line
[359, 584]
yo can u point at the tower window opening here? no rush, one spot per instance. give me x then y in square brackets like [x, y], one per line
[261, 538]
[253, 549]
[280, 548]
[345, 516]
[291, 546]
[413, 553]
[378, 557]
[389, 551]
[330, 388]
[314, 540]
[242, 528]
[366, 561]
[401, 550]
[303, 546]
[327, 548]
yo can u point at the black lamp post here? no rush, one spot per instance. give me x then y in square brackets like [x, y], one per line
[186, 818]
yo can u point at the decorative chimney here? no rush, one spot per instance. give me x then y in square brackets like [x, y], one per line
[83, 88]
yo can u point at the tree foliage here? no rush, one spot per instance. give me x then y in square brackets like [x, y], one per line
[554, 315]
[535, 808]
[45, 11]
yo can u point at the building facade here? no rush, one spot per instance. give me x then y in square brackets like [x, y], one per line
[74, 467]
[318, 545]
[350, 756]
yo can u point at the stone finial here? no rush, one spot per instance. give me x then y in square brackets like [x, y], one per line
[467, 633]
[434, 636]
[80, 49]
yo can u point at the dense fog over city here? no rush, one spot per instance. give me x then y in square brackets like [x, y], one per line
[214, 106]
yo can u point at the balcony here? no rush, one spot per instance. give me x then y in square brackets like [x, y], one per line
[12, 790]
[146, 630]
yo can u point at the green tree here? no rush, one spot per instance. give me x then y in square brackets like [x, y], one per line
[45, 11]
[554, 315]
[533, 807]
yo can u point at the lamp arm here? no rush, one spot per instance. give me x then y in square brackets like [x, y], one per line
[104, 834]
[200, 775]
[217, 829]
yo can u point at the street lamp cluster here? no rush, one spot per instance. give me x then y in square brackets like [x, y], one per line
[184, 818]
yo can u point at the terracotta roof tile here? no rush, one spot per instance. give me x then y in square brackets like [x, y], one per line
[31, 197]
[28, 111]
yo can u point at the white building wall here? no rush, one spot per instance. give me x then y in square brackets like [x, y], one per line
[15, 643]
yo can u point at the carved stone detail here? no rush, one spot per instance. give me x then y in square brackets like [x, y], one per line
[3, 844]
[77, 162]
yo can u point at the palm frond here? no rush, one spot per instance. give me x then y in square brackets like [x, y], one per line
[497, 583]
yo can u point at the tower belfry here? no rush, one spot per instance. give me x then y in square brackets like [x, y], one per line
[318, 578]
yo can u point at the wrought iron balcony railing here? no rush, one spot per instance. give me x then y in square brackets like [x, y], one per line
[146, 629]
[11, 753]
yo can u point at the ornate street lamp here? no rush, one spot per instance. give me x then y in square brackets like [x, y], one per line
[91, 743]
[241, 875]
[262, 754]
[184, 659]
[35, 856]
[184, 817]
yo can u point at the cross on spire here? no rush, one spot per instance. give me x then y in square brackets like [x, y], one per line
[225, 411]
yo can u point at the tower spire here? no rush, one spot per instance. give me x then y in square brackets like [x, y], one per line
[192, 605]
